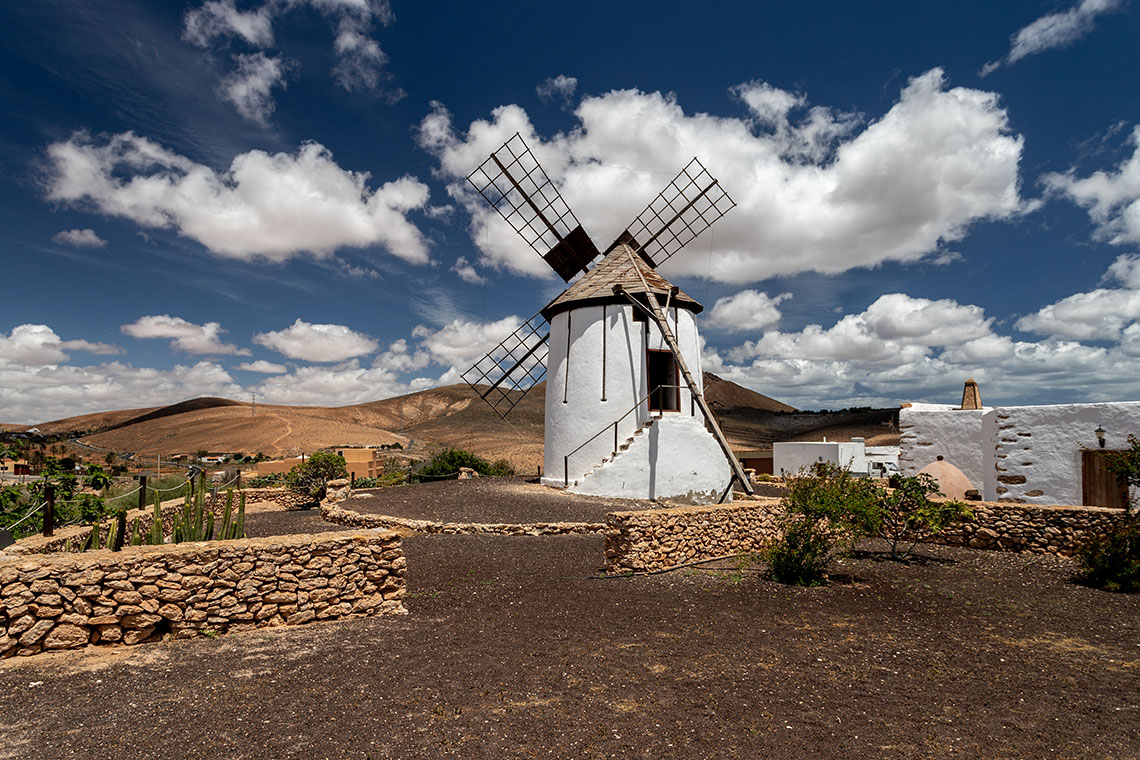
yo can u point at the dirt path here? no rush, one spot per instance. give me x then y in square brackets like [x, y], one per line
[288, 432]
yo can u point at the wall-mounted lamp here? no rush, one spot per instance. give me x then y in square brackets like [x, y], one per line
[1100, 435]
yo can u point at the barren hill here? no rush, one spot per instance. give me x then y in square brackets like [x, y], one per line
[233, 427]
[451, 416]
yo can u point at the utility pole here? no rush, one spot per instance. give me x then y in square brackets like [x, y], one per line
[252, 404]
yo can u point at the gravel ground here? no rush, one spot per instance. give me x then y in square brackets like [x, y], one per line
[280, 522]
[489, 500]
[512, 650]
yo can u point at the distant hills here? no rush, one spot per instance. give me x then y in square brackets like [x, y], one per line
[453, 416]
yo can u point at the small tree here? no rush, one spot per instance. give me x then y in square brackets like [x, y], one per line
[825, 512]
[1112, 561]
[313, 475]
[1126, 465]
[907, 515]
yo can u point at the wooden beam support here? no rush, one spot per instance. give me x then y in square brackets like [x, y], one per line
[654, 312]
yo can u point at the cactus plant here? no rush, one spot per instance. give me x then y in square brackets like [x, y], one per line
[135, 540]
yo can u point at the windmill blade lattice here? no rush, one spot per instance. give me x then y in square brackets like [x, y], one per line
[516, 185]
[688, 206]
[504, 376]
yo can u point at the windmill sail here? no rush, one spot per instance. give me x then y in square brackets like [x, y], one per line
[516, 185]
[517, 364]
[688, 206]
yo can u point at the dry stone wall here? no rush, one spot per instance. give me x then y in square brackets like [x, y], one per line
[63, 601]
[657, 539]
[1004, 526]
[334, 513]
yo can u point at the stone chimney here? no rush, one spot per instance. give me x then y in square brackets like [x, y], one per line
[971, 396]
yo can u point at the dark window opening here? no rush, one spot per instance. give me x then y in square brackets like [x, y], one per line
[661, 368]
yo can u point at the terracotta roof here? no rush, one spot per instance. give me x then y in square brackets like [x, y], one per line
[617, 268]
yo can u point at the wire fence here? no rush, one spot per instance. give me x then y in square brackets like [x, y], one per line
[33, 510]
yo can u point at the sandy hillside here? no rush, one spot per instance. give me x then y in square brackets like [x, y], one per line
[272, 430]
[452, 416]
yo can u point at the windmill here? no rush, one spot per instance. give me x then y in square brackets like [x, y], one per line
[624, 415]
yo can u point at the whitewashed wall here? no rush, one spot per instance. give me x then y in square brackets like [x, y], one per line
[575, 407]
[1042, 445]
[790, 458]
[677, 458]
[928, 431]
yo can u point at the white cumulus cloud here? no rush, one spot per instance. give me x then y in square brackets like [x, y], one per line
[221, 19]
[559, 88]
[317, 343]
[1101, 314]
[1112, 198]
[813, 194]
[250, 87]
[185, 336]
[270, 206]
[748, 310]
[361, 64]
[263, 367]
[38, 345]
[466, 271]
[1054, 30]
[79, 238]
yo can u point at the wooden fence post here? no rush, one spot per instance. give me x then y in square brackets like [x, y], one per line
[49, 510]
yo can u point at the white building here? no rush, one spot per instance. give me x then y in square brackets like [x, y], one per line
[619, 420]
[792, 458]
[1049, 454]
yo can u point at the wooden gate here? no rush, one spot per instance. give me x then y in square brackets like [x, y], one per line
[1099, 486]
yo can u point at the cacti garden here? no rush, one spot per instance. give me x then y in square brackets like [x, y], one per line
[193, 522]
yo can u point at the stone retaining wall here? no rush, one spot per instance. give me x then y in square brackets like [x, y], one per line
[333, 513]
[1033, 528]
[74, 536]
[62, 601]
[656, 539]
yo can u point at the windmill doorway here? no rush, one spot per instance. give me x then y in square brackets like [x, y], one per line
[661, 372]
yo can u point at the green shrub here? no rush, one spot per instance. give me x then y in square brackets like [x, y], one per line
[825, 512]
[1112, 562]
[801, 556]
[312, 476]
[907, 514]
[265, 481]
[502, 468]
[446, 464]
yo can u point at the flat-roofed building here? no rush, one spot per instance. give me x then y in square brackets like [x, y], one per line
[362, 462]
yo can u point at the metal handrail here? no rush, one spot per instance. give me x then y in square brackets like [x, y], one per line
[614, 424]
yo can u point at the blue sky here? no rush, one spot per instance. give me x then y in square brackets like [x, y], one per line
[228, 198]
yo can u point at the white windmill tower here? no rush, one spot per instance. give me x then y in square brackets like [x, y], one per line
[625, 416]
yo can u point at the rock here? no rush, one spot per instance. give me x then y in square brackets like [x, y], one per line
[127, 597]
[298, 618]
[67, 636]
[130, 638]
[170, 611]
[139, 621]
[36, 632]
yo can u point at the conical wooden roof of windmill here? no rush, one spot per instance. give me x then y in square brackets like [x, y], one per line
[620, 266]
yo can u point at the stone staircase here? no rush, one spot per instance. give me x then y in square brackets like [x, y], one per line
[623, 446]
